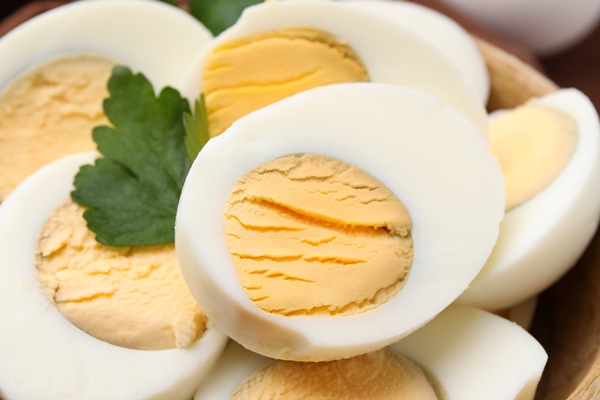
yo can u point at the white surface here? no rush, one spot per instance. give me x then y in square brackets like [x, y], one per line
[441, 32]
[44, 356]
[542, 238]
[151, 37]
[424, 152]
[390, 53]
[545, 26]
[475, 355]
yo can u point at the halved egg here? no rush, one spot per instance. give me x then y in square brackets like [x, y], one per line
[280, 48]
[466, 354]
[42, 354]
[428, 156]
[55, 68]
[154, 38]
[543, 237]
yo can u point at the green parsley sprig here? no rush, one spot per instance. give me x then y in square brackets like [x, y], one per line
[132, 191]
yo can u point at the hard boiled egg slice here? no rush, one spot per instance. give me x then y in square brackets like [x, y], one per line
[55, 68]
[440, 32]
[474, 355]
[543, 237]
[154, 38]
[42, 355]
[245, 67]
[427, 155]
[466, 353]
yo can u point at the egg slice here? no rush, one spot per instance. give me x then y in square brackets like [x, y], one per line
[439, 31]
[476, 355]
[154, 38]
[467, 354]
[42, 355]
[543, 237]
[429, 156]
[389, 53]
[55, 68]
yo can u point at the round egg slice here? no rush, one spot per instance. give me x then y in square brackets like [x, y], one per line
[466, 354]
[55, 68]
[439, 31]
[388, 52]
[154, 38]
[42, 355]
[425, 153]
[543, 237]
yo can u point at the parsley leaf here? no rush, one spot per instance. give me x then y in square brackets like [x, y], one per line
[196, 129]
[132, 193]
[219, 15]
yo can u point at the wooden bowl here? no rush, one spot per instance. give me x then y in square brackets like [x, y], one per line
[567, 321]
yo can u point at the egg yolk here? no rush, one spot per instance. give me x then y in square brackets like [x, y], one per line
[383, 375]
[312, 235]
[133, 297]
[50, 112]
[247, 74]
[533, 144]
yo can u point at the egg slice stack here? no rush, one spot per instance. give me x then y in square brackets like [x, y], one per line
[416, 123]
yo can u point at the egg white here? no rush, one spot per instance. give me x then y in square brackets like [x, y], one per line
[154, 38]
[432, 158]
[523, 313]
[390, 53]
[439, 31]
[541, 239]
[467, 353]
[43, 355]
[474, 355]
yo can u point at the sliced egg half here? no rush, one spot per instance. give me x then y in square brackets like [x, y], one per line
[429, 156]
[55, 69]
[390, 53]
[42, 355]
[543, 237]
[467, 353]
[441, 32]
[151, 37]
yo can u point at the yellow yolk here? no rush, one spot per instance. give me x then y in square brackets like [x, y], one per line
[382, 375]
[50, 112]
[247, 74]
[313, 235]
[533, 144]
[127, 296]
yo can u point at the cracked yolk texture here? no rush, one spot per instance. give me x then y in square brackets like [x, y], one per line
[50, 112]
[533, 144]
[382, 375]
[313, 235]
[247, 74]
[127, 296]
